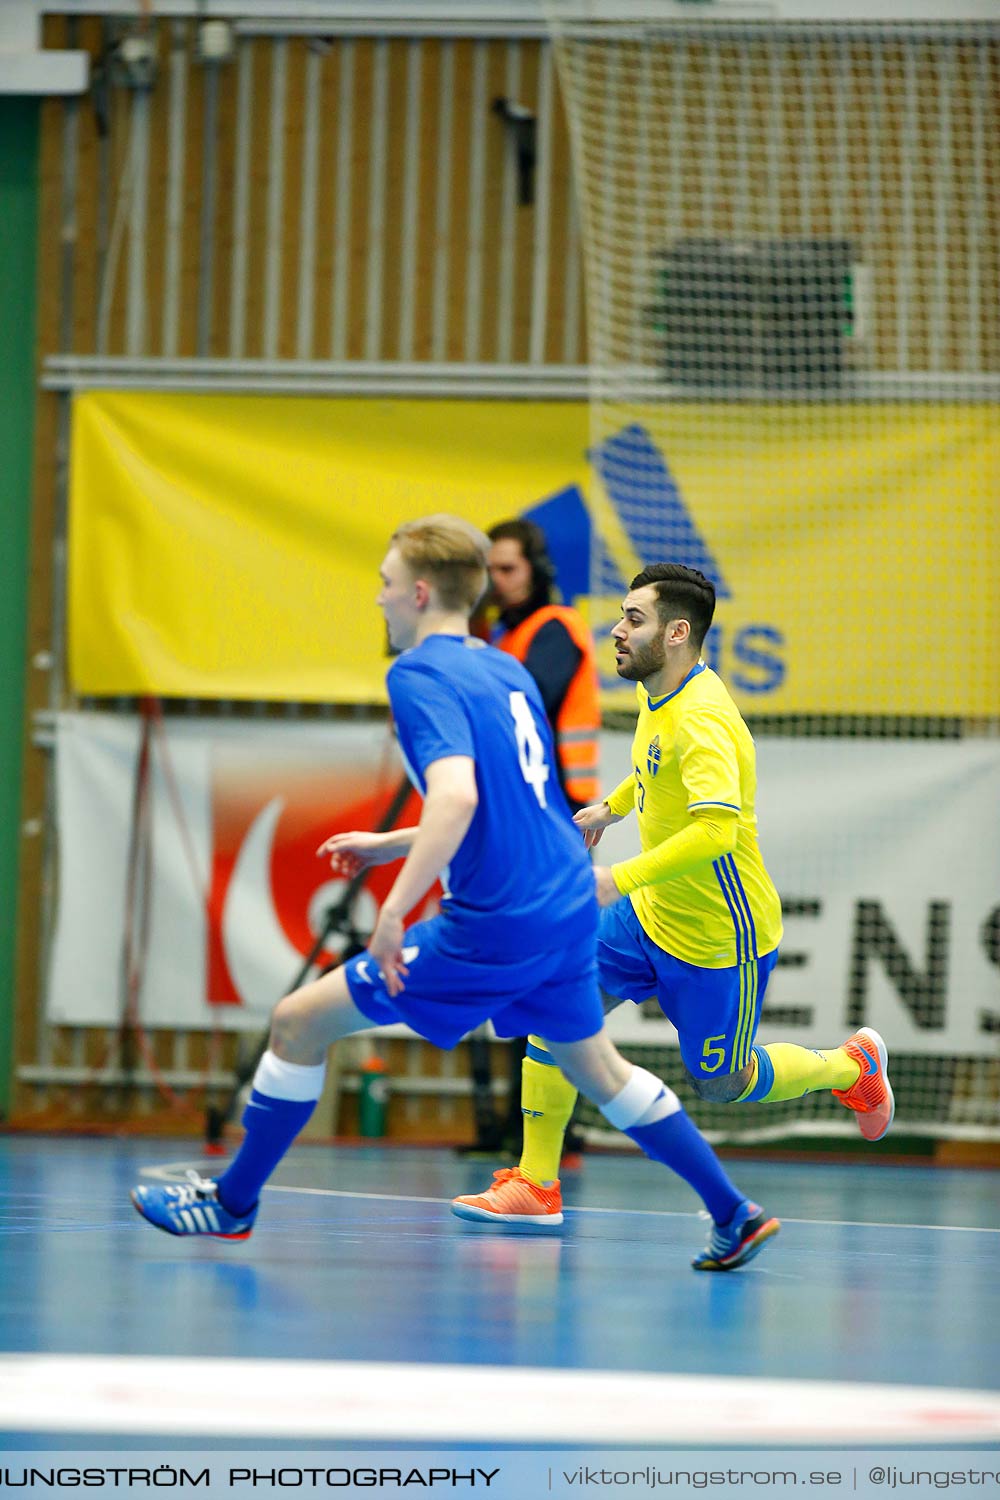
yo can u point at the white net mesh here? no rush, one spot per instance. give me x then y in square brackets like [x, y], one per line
[792, 265]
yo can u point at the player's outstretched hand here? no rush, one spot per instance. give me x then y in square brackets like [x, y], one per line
[593, 820]
[351, 852]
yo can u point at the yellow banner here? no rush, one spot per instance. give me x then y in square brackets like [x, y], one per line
[228, 546]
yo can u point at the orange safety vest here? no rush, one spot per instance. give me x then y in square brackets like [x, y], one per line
[579, 719]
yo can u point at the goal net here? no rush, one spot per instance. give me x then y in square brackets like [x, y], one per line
[791, 246]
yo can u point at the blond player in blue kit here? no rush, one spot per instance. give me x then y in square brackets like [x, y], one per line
[700, 922]
[515, 939]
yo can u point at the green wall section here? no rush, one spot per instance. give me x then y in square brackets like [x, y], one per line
[19, 127]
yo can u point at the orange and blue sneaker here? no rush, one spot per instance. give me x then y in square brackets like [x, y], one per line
[192, 1207]
[513, 1199]
[733, 1244]
[871, 1096]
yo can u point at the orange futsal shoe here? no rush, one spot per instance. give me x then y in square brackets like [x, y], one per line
[513, 1199]
[871, 1095]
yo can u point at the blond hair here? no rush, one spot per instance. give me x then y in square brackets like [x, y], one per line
[450, 553]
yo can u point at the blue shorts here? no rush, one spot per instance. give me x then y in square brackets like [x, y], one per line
[450, 991]
[716, 1011]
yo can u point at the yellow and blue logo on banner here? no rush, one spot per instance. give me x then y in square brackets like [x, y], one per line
[653, 524]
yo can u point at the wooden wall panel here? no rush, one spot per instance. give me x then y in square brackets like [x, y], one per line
[911, 177]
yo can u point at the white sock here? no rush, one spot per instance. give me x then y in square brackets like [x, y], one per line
[285, 1080]
[642, 1101]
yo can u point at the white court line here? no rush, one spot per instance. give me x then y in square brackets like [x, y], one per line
[343, 1399]
[174, 1172]
[654, 1213]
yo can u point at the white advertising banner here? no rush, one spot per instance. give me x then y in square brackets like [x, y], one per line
[236, 896]
[885, 854]
[887, 858]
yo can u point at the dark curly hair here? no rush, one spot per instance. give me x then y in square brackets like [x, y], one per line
[681, 594]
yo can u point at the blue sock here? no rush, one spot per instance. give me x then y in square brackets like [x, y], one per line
[271, 1126]
[678, 1144]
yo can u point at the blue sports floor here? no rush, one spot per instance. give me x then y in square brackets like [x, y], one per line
[362, 1310]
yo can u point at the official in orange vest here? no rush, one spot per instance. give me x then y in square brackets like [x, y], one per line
[555, 644]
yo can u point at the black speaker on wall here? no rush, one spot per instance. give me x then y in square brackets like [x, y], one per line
[770, 314]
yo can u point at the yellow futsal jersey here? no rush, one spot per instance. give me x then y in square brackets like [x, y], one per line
[694, 766]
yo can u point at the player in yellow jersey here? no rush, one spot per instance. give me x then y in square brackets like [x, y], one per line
[700, 924]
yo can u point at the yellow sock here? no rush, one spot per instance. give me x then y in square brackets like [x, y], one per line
[547, 1101]
[800, 1070]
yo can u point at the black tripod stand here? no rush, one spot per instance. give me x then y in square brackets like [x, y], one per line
[337, 919]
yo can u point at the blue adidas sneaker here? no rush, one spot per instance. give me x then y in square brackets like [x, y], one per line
[192, 1207]
[733, 1244]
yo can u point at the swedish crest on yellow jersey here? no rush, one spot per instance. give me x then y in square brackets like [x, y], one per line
[692, 750]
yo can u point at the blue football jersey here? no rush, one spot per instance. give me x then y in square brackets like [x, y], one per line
[521, 875]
